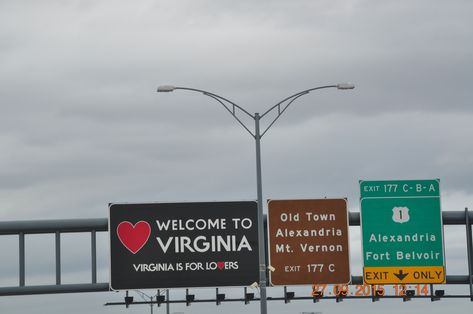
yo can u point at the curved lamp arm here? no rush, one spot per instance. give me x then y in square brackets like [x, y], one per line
[222, 100]
[281, 109]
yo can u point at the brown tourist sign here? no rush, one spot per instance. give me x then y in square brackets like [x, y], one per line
[308, 241]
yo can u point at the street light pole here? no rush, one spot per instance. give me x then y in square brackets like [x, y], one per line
[281, 107]
[259, 191]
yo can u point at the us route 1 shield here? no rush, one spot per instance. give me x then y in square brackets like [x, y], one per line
[308, 242]
[402, 232]
[172, 245]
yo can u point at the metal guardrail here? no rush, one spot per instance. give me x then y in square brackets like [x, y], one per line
[92, 226]
[57, 227]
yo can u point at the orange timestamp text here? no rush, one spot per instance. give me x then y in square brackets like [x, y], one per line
[368, 290]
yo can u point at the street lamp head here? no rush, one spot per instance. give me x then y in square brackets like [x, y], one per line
[345, 86]
[166, 88]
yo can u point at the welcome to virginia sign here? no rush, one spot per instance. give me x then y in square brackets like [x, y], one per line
[171, 245]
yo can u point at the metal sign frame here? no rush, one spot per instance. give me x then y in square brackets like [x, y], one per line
[92, 226]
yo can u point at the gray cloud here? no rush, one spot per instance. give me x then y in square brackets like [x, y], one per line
[81, 123]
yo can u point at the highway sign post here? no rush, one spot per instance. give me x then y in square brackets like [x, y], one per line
[172, 245]
[401, 223]
[308, 242]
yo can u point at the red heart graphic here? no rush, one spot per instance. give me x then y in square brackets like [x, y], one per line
[133, 237]
[220, 265]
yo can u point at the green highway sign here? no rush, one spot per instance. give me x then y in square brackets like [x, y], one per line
[402, 232]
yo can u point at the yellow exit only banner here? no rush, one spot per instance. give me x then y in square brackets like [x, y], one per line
[404, 275]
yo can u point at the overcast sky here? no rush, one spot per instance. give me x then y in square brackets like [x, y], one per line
[81, 124]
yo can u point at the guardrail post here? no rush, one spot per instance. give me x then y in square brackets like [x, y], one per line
[21, 238]
[58, 258]
[93, 253]
[469, 251]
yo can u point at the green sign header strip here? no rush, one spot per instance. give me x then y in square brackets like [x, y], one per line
[402, 188]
